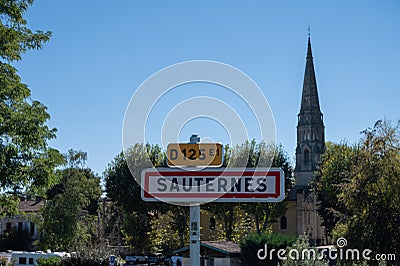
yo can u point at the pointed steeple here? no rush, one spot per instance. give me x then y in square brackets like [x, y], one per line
[310, 126]
[309, 100]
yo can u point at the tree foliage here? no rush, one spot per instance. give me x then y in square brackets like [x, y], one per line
[362, 184]
[242, 222]
[372, 196]
[122, 187]
[180, 223]
[333, 171]
[67, 215]
[26, 160]
[224, 212]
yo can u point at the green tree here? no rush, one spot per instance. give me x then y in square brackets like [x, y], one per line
[180, 222]
[111, 223]
[372, 196]
[242, 223]
[359, 190]
[122, 187]
[275, 156]
[67, 215]
[333, 170]
[26, 160]
[225, 213]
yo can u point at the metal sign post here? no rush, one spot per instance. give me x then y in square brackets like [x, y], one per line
[195, 235]
[195, 223]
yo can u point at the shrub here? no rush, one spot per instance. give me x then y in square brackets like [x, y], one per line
[301, 244]
[89, 257]
[252, 243]
[54, 261]
[79, 260]
[85, 257]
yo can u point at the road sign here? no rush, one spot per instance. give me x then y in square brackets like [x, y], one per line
[112, 260]
[194, 154]
[221, 184]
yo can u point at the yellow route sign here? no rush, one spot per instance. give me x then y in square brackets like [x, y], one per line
[194, 154]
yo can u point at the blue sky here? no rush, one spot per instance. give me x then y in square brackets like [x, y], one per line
[101, 51]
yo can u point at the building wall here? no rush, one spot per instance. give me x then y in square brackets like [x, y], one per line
[19, 222]
[291, 218]
[310, 223]
[302, 218]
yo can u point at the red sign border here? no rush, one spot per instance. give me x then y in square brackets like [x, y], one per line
[220, 197]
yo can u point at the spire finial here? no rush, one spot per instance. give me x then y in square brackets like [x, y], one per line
[309, 52]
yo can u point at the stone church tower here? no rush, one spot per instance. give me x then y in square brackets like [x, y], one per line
[310, 127]
[301, 216]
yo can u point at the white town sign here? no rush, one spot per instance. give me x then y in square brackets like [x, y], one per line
[213, 184]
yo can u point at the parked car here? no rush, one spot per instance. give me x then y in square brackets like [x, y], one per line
[154, 259]
[135, 259]
[173, 261]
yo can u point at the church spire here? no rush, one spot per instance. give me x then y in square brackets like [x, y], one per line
[309, 100]
[310, 126]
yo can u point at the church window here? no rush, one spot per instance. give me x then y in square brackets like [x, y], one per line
[306, 157]
[283, 222]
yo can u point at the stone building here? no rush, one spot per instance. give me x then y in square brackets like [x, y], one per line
[301, 216]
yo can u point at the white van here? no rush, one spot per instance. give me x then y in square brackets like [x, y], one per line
[23, 258]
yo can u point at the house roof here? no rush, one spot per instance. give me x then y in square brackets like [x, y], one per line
[227, 246]
[30, 205]
[224, 247]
